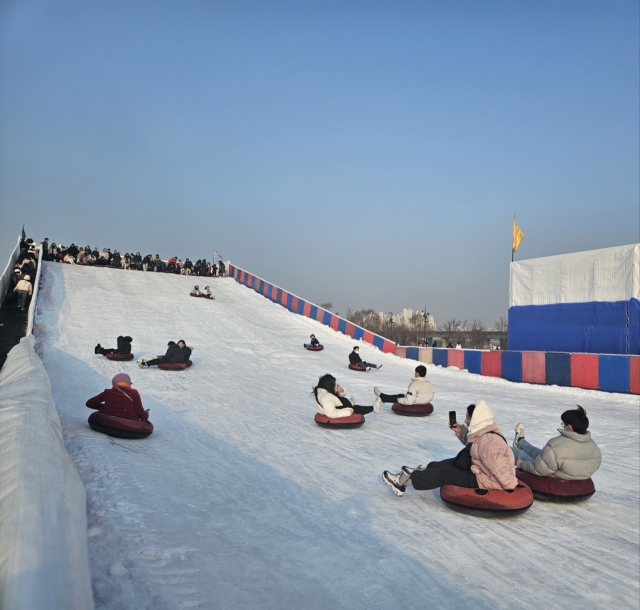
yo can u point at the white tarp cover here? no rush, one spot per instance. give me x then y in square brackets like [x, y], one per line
[607, 275]
[8, 270]
[43, 527]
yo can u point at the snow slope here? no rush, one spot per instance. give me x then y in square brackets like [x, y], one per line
[238, 500]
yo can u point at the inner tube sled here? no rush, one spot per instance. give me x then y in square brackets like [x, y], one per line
[119, 426]
[552, 489]
[316, 348]
[114, 356]
[353, 421]
[357, 367]
[412, 410]
[174, 366]
[487, 503]
[194, 294]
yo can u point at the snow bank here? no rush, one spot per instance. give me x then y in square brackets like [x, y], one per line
[239, 500]
[43, 533]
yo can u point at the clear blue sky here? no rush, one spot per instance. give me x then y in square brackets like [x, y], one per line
[366, 153]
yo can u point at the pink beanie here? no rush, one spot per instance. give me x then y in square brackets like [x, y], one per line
[121, 378]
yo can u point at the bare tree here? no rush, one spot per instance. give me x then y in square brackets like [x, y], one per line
[328, 305]
[451, 330]
[501, 324]
[478, 335]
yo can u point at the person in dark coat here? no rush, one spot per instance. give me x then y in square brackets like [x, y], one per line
[355, 360]
[173, 355]
[186, 351]
[313, 342]
[221, 269]
[45, 249]
[120, 401]
[124, 347]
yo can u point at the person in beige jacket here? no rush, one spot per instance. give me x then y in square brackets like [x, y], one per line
[420, 391]
[572, 456]
[23, 290]
[331, 401]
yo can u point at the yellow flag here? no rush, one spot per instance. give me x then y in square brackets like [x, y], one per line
[518, 235]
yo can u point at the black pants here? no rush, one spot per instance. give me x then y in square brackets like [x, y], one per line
[156, 361]
[390, 397]
[346, 404]
[442, 473]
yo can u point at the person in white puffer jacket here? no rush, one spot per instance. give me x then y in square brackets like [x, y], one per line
[331, 401]
[572, 456]
[420, 391]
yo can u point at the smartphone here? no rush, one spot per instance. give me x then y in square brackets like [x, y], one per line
[452, 418]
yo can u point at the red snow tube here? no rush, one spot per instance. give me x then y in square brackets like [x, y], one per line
[356, 367]
[317, 348]
[193, 294]
[553, 489]
[412, 410]
[119, 426]
[483, 503]
[174, 366]
[353, 421]
[120, 356]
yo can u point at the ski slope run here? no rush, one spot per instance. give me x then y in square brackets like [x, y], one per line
[238, 500]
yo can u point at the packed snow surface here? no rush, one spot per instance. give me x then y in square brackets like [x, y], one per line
[239, 500]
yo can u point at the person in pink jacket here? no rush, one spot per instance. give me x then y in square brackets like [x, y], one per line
[485, 462]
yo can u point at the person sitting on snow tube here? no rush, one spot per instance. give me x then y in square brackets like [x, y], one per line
[485, 462]
[207, 293]
[313, 342]
[329, 395]
[186, 351]
[120, 401]
[196, 291]
[573, 455]
[355, 360]
[173, 354]
[124, 347]
[420, 391]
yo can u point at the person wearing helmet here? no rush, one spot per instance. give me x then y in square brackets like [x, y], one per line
[120, 401]
[23, 290]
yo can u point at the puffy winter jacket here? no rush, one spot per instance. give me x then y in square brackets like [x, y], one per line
[491, 457]
[570, 456]
[420, 392]
[328, 404]
[24, 285]
[186, 351]
[121, 402]
[124, 345]
[354, 358]
[174, 354]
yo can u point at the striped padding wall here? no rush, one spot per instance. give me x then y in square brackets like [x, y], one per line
[606, 372]
[304, 308]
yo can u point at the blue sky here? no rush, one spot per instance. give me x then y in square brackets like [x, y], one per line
[371, 154]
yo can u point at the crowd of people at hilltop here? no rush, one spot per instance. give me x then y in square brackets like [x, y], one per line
[75, 255]
[21, 282]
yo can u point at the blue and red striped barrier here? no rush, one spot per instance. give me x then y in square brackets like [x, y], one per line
[304, 308]
[609, 373]
[606, 372]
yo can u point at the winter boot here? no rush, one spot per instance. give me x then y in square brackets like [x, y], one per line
[519, 435]
[376, 405]
[409, 471]
[376, 391]
[397, 482]
[97, 349]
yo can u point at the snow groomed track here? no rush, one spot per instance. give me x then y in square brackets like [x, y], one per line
[238, 500]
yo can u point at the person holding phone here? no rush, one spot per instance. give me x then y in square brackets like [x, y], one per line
[420, 391]
[485, 462]
[331, 401]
